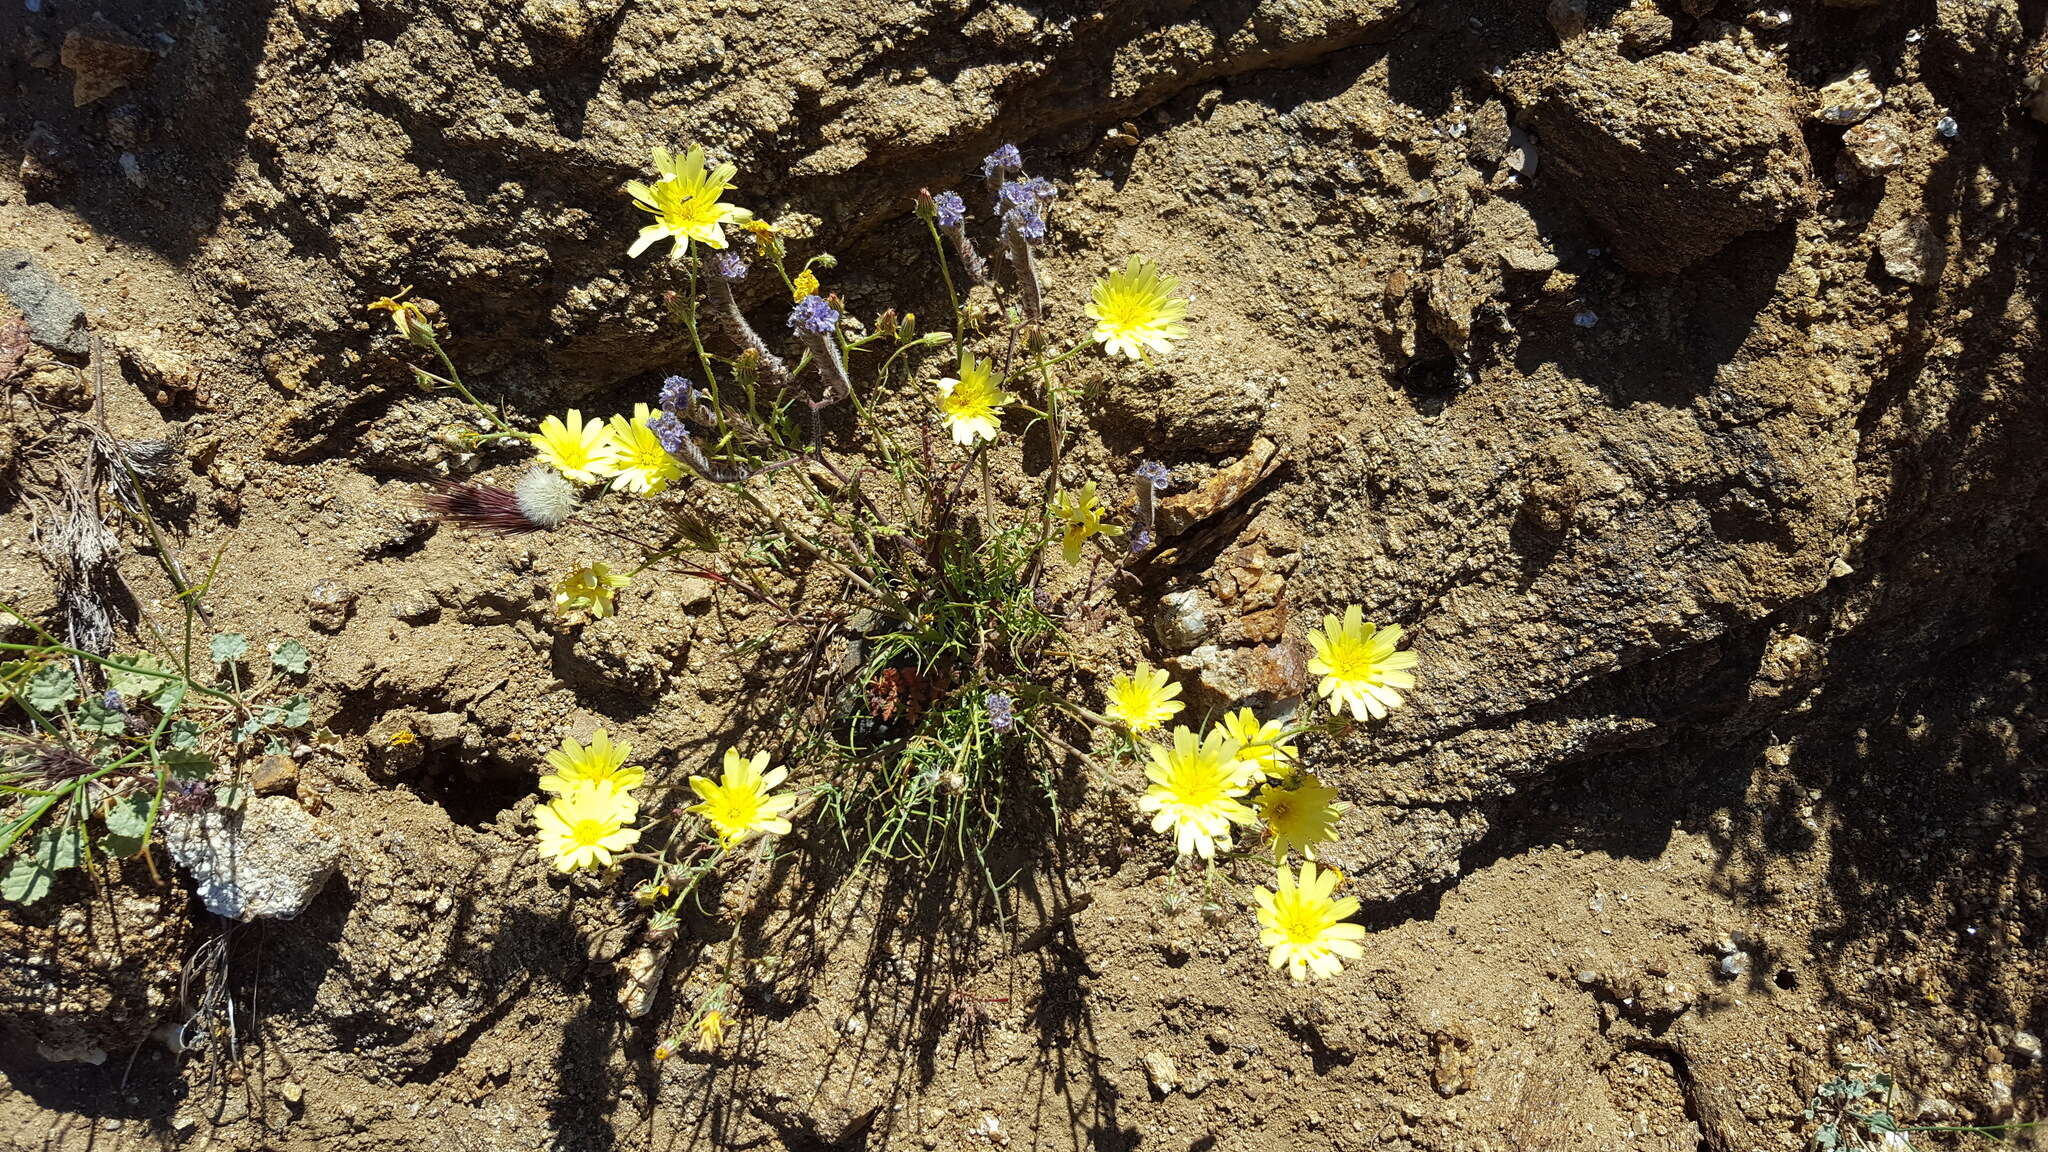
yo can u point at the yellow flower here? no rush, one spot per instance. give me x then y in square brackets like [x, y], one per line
[1143, 700]
[575, 449]
[1135, 311]
[1359, 666]
[635, 459]
[599, 763]
[590, 589]
[972, 405]
[583, 828]
[1194, 791]
[685, 203]
[805, 284]
[403, 736]
[1301, 816]
[409, 317]
[1305, 928]
[739, 805]
[1083, 513]
[1262, 745]
[711, 1030]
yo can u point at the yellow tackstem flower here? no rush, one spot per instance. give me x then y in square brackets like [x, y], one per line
[577, 450]
[1195, 784]
[711, 1030]
[583, 828]
[635, 459]
[1360, 667]
[590, 589]
[1083, 512]
[685, 204]
[739, 805]
[1261, 744]
[1305, 927]
[600, 763]
[1300, 815]
[1135, 311]
[972, 405]
[1143, 700]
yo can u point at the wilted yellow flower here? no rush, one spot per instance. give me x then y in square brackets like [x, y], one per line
[410, 319]
[711, 1030]
[1135, 311]
[1195, 784]
[590, 589]
[972, 405]
[1263, 745]
[577, 450]
[739, 804]
[1143, 700]
[805, 284]
[583, 828]
[1083, 513]
[685, 203]
[600, 762]
[1359, 665]
[1304, 927]
[1300, 816]
[635, 459]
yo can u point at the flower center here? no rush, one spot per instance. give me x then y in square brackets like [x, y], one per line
[588, 832]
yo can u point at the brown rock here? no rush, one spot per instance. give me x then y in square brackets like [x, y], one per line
[101, 58]
[274, 776]
[1455, 1070]
[1911, 252]
[1874, 147]
[1219, 492]
[1253, 675]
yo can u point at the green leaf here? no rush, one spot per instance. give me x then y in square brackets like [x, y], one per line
[169, 695]
[128, 824]
[185, 735]
[275, 746]
[231, 796]
[50, 688]
[188, 765]
[254, 724]
[29, 876]
[95, 716]
[291, 656]
[228, 647]
[298, 712]
[25, 881]
[137, 685]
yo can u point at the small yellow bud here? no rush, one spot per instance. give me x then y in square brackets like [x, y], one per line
[806, 284]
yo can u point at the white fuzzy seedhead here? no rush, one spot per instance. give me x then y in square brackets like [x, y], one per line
[544, 497]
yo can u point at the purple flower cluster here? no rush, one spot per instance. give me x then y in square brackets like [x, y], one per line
[671, 431]
[1002, 715]
[1020, 200]
[1141, 541]
[1157, 473]
[814, 316]
[677, 394]
[727, 265]
[1002, 161]
[952, 209]
[112, 700]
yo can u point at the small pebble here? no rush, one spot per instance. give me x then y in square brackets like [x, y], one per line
[1586, 319]
[1947, 127]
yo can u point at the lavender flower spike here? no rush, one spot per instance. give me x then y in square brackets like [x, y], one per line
[950, 213]
[720, 271]
[1002, 162]
[1002, 715]
[1157, 473]
[677, 396]
[816, 321]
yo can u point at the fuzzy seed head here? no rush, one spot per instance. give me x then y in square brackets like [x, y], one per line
[545, 498]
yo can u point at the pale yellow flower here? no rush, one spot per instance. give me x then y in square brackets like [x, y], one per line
[585, 827]
[1195, 785]
[1135, 311]
[410, 319]
[1261, 744]
[1359, 665]
[1300, 815]
[972, 405]
[591, 590]
[739, 805]
[1305, 927]
[1083, 512]
[599, 763]
[635, 459]
[575, 449]
[1143, 700]
[685, 204]
[711, 1030]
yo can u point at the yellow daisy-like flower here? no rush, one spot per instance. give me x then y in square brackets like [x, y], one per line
[1143, 700]
[599, 763]
[1359, 665]
[805, 284]
[590, 589]
[685, 204]
[1300, 816]
[1083, 512]
[1305, 927]
[1135, 311]
[636, 461]
[739, 804]
[1261, 744]
[583, 828]
[1195, 784]
[577, 450]
[972, 405]
[711, 1030]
